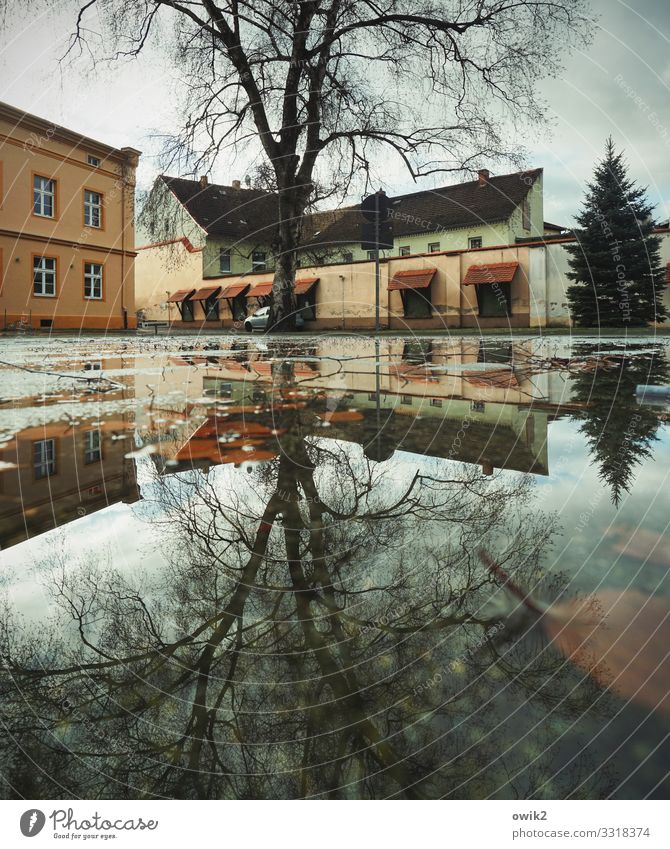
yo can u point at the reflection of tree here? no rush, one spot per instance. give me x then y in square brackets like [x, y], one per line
[321, 630]
[619, 431]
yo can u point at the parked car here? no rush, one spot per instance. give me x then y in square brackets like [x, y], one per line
[259, 320]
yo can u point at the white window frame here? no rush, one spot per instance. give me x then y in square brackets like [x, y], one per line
[433, 247]
[92, 446]
[405, 250]
[258, 264]
[45, 267]
[475, 239]
[93, 160]
[227, 253]
[91, 207]
[92, 279]
[44, 189]
[44, 458]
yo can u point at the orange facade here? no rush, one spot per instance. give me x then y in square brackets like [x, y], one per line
[66, 228]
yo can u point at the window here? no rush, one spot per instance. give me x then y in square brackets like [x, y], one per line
[406, 399]
[92, 446]
[44, 458]
[44, 197]
[347, 256]
[435, 402]
[93, 160]
[475, 242]
[493, 299]
[258, 261]
[404, 251]
[46, 322]
[44, 276]
[93, 281]
[92, 209]
[187, 310]
[224, 261]
[371, 254]
[477, 406]
[372, 396]
[433, 247]
[525, 214]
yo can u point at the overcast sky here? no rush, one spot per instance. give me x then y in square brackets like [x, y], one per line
[620, 87]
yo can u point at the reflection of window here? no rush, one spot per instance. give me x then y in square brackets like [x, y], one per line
[93, 281]
[371, 254]
[92, 446]
[477, 406]
[475, 242]
[406, 399]
[493, 299]
[44, 458]
[44, 276]
[258, 261]
[347, 256]
[372, 396]
[224, 261]
[433, 247]
[44, 197]
[404, 251]
[435, 402]
[211, 308]
[92, 209]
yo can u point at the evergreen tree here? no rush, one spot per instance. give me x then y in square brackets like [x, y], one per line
[616, 261]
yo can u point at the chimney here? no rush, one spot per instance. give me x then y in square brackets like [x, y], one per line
[236, 185]
[203, 181]
[483, 176]
[487, 467]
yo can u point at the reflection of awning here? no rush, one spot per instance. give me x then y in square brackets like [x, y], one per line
[303, 285]
[205, 293]
[418, 278]
[232, 291]
[260, 290]
[180, 295]
[493, 272]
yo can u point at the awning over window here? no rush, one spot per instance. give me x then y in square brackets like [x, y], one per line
[205, 293]
[260, 290]
[419, 278]
[303, 285]
[180, 296]
[232, 290]
[494, 272]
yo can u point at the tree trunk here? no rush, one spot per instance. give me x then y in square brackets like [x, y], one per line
[283, 309]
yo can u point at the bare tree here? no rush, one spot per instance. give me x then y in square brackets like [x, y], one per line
[323, 87]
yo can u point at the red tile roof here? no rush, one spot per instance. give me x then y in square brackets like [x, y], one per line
[260, 290]
[417, 278]
[492, 272]
[180, 295]
[303, 285]
[233, 290]
[205, 293]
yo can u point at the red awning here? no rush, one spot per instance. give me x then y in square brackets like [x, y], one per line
[205, 293]
[232, 290]
[260, 290]
[493, 272]
[180, 295]
[418, 278]
[303, 285]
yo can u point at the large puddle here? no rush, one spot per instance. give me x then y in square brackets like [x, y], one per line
[333, 567]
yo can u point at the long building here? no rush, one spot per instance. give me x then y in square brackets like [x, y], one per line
[67, 233]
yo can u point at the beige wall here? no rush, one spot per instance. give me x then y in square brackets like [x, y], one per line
[162, 270]
[29, 147]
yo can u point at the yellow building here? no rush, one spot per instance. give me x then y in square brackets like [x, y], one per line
[66, 227]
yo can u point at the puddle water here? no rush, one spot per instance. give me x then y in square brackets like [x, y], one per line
[329, 567]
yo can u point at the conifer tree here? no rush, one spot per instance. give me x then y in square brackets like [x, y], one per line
[616, 262]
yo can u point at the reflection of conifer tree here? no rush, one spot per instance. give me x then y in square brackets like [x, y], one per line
[619, 430]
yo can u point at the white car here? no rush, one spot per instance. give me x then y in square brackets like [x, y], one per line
[259, 320]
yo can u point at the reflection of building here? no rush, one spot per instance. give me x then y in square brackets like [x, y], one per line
[479, 403]
[58, 472]
[66, 227]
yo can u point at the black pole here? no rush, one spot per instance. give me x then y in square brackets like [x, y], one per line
[377, 269]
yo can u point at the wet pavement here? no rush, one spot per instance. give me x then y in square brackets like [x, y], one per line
[243, 567]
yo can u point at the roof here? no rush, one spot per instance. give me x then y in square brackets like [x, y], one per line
[239, 214]
[432, 210]
[18, 117]
[419, 278]
[492, 272]
[549, 226]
